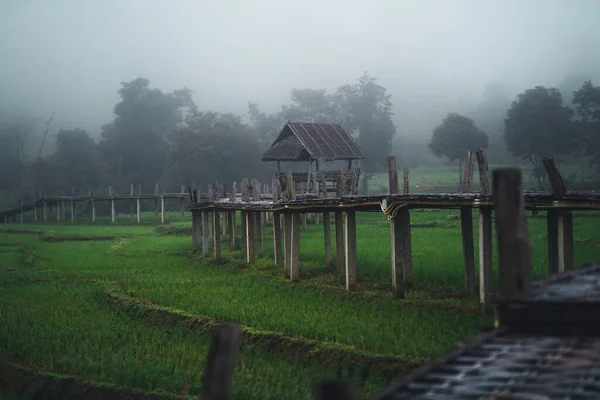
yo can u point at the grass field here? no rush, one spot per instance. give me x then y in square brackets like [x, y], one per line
[131, 305]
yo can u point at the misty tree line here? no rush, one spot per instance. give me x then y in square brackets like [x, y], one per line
[158, 137]
[538, 124]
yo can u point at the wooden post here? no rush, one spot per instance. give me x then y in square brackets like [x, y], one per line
[131, 203]
[249, 238]
[195, 231]
[406, 181]
[72, 210]
[468, 173]
[257, 216]
[339, 241]
[484, 180]
[514, 247]
[93, 204]
[243, 229]
[221, 363]
[350, 248]
[277, 237]
[57, 206]
[205, 230]
[112, 206]
[556, 180]
[295, 251]
[21, 211]
[398, 255]
[560, 225]
[486, 276]
[392, 175]
[162, 209]
[327, 235]
[44, 210]
[466, 223]
[181, 205]
[217, 235]
[156, 200]
[138, 209]
[565, 241]
[287, 247]
[35, 213]
[553, 242]
[231, 228]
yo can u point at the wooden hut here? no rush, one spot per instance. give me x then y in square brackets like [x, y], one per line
[308, 142]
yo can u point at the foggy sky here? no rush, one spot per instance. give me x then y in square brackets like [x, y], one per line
[70, 56]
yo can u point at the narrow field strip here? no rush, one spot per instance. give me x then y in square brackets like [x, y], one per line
[274, 342]
[79, 336]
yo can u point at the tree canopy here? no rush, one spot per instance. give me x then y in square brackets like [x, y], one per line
[538, 125]
[587, 105]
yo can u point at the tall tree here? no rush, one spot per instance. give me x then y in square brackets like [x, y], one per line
[214, 146]
[366, 108]
[454, 137]
[75, 162]
[587, 103]
[134, 146]
[538, 125]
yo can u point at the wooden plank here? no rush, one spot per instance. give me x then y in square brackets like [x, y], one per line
[556, 180]
[484, 179]
[277, 238]
[327, 237]
[258, 216]
[392, 175]
[295, 248]
[350, 250]
[466, 223]
[514, 246]
[339, 241]
[249, 238]
[231, 229]
[486, 276]
[217, 235]
[221, 363]
[287, 246]
[552, 233]
[205, 232]
[398, 256]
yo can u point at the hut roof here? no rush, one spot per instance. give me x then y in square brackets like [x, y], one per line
[303, 141]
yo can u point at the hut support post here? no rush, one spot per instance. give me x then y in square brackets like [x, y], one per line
[258, 221]
[295, 251]
[277, 237]
[350, 248]
[231, 229]
[327, 235]
[216, 235]
[287, 239]
[249, 237]
[466, 222]
[138, 210]
[196, 224]
[205, 232]
[162, 209]
[339, 241]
